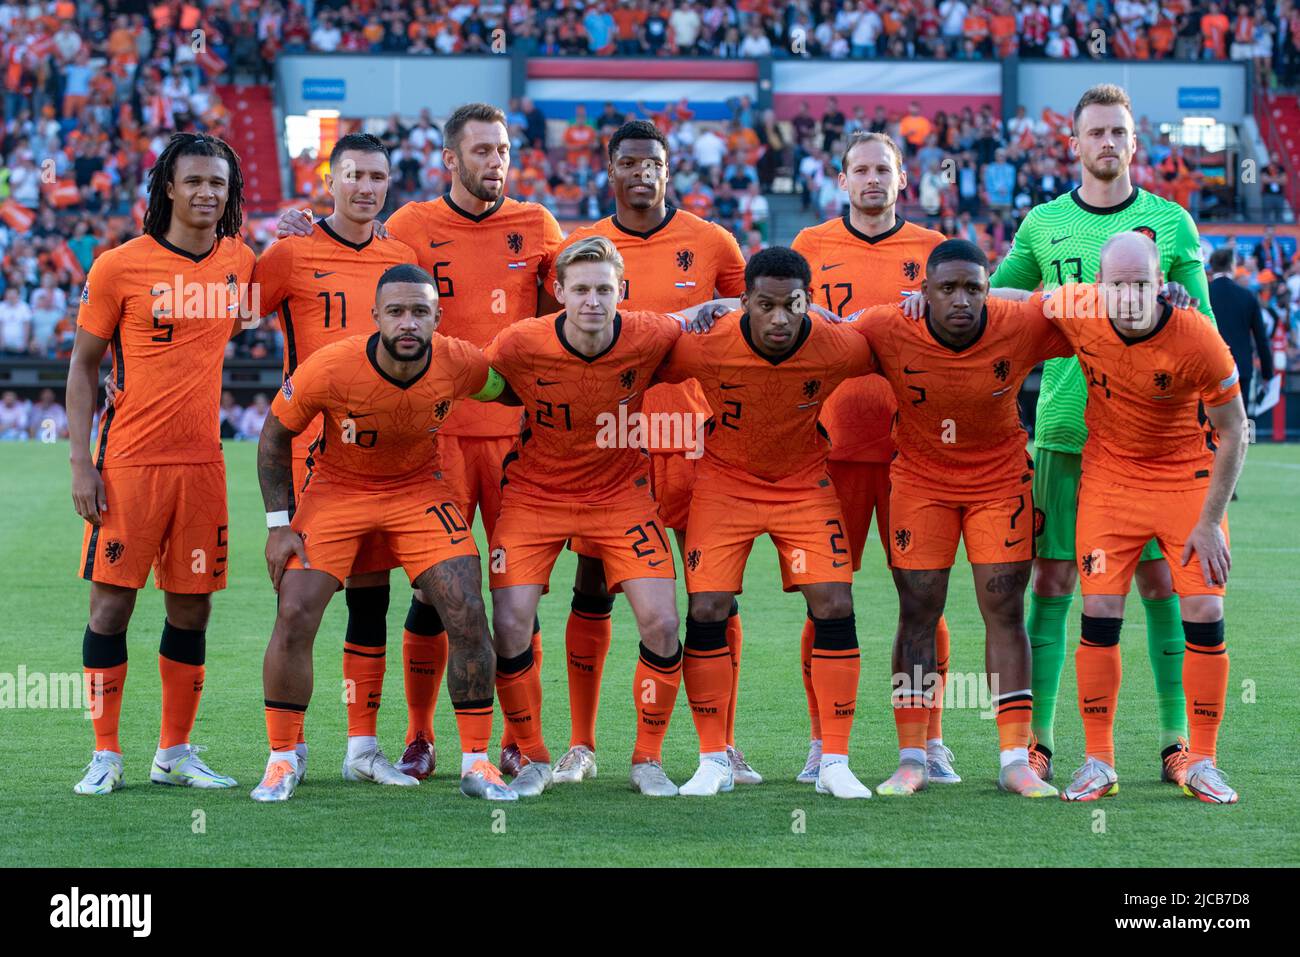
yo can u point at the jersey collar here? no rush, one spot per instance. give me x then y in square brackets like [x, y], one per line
[372, 353]
[325, 227]
[475, 217]
[979, 334]
[805, 330]
[1166, 313]
[1105, 210]
[669, 213]
[192, 257]
[899, 222]
[559, 333]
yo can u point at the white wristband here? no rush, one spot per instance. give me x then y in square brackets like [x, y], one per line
[277, 519]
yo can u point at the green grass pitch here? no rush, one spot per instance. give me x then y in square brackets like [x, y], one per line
[43, 606]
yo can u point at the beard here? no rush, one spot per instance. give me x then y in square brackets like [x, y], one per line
[390, 346]
[1107, 173]
[873, 204]
[478, 189]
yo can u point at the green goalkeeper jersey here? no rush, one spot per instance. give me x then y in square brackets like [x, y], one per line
[1060, 242]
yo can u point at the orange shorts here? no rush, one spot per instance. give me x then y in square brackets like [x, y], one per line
[809, 537]
[473, 466]
[924, 532]
[1114, 523]
[673, 477]
[863, 488]
[168, 517]
[626, 534]
[373, 555]
[420, 524]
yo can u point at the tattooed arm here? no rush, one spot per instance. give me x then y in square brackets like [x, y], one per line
[275, 474]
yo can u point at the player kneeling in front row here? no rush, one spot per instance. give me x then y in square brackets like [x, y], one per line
[1166, 443]
[766, 371]
[376, 473]
[961, 472]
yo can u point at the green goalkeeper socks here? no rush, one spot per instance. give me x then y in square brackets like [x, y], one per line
[1046, 627]
[1165, 646]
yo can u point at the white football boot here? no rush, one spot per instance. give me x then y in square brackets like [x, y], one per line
[103, 774]
[187, 769]
[576, 765]
[712, 776]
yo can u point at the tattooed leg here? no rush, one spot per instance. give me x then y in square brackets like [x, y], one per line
[1000, 591]
[922, 594]
[455, 588]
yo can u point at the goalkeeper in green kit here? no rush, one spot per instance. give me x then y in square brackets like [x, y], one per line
[1059, 243]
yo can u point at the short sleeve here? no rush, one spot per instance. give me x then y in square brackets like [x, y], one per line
[471, 368]
[499, 353]
[552, 242]
[404, 225]
[101, 298]
[272, 275]
[859, 357]
[1219, 379]
[682, 360]
[729, 263]
[1045, 341]
[303, 394]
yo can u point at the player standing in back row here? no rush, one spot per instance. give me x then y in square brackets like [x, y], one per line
[487, 253]
[1058, 243]
[673, 259]
[155, 494]
[870, 256]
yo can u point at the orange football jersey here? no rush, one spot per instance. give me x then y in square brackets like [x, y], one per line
[573, 403]
[958, 426]
[169, 315]
[852, 271]
[764, 440]
[487, 267]
[1147, 426]
[682, 262]
[378, 432]
[323, 287]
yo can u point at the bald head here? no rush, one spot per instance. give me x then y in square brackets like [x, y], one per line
[1130, 279]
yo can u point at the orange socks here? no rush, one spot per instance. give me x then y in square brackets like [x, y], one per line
[654, 692]
[1205, 683]
[1097, 664]
[474, 724]
[424, 659]
[103, 657]
[707, 673]
[181, 654]
[284, 724]
[586, 642]
[836, 664]
[942, 641]
[805, 657]
[1015, 708]
[365, 656]
[911, 718]
[508, 732]
[735, 636]
[519, 687]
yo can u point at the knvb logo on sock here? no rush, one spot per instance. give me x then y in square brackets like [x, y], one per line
[75, 910]
[56, 691]
[656, 431]
[961, 691]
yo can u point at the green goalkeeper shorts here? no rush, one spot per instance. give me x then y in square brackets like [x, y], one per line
[1056, 500]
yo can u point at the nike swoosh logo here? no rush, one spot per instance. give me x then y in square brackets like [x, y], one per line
[359, 415]
[581, 657]
[1002, 392]
[910, 371]
[1085, 351]
[728, 385]
[832, 266]
[1204, 704]
[1057, 239]
[102, 779]
[375, 694]
[457, 541]
[1172, 653]
[511, 714]
[1043, 645]
[656, 564]
[838, 564]
[218, 573]
[322, 275]
[1091, 700]
[545, 382]
[1010, 544]
[845, 704]
[445, 242]
[414, 662]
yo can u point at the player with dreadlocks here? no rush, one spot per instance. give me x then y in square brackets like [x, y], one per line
[154, 494]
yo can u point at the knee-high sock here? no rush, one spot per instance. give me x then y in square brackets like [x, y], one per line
[805, 659]
[836, 665]
[1046, 628]
[103, 658]
[942, 647]
[424, 659]
[654, 692]
[586, 644]
[1205, 676]
[508, 732]
[284, 724]
[911, 707]
[735, 637]
[706, 672]
[1097, 662]
[474, 724]
[519, 686]
[1165, 648]
[365, 657]
[181, 654]
[1014, 709]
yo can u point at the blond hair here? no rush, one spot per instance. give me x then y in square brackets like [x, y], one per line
[860, 137]
[1103, 94]
[593, 249]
